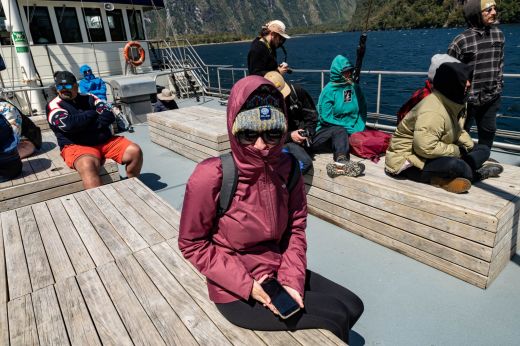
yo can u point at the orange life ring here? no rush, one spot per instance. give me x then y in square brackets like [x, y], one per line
[126, 53]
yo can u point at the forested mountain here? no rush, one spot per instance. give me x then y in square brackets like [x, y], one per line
[396, 14]
[225, 20]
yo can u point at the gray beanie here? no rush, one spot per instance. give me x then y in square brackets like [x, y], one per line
[260, 119]
[438, 60]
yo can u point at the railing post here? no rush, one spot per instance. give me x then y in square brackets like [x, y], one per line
[218, 80]
[209, 78]
[378, 104]
[322, 80]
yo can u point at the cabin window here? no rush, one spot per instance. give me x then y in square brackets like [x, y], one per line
[5, 39]
[136, 24]
[94, 24]
[40, 24]
[116, 25]
[68, 23]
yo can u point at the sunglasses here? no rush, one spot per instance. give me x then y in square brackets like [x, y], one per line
[60, 87]
[490, 9]
[271, 137]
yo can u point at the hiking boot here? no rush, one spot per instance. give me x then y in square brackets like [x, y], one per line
[488, 170]
[345, 167]
[455, 185]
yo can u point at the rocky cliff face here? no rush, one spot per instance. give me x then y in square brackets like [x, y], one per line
[247, 16]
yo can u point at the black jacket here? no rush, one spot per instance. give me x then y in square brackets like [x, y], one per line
[79, 122]
[261, 58]
[301, 111]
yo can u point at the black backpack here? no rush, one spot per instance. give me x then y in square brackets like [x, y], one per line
[230, 181]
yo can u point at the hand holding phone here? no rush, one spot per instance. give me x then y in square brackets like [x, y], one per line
[258, 293]
[280, 298]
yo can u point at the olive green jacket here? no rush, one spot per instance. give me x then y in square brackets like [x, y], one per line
[430, 130]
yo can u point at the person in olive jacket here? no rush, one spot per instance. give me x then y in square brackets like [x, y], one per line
[262, 233]
[430, 145]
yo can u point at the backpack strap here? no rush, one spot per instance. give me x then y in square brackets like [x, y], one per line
[295, 173]
[229, 183]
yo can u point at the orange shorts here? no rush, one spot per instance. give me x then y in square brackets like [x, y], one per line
[113, 149]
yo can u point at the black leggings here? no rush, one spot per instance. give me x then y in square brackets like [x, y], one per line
[451, 167]
[331, 138]
[327, 306]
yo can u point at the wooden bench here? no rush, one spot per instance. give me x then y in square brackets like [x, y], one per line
[470, 236]
[195, 132]
[102, 266]
[45, 176]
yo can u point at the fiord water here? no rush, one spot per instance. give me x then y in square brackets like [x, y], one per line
[399, 50]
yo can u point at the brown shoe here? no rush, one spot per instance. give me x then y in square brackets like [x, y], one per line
[455, 185]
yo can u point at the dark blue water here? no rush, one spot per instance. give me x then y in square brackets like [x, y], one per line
[403, 50]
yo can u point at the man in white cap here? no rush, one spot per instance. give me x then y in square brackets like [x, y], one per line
[262, 54]
[165, 101]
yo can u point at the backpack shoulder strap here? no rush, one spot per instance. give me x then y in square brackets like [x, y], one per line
[229, 183]
[295, 173]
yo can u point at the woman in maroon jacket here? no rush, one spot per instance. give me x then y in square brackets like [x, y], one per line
[262, 234]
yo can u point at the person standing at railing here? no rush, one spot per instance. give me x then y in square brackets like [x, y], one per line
[342, 111]
[262, 53]
[482, 47]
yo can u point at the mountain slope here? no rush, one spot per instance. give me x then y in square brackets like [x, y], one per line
[247, 16]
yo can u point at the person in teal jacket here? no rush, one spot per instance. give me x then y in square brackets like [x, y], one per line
[342, 111]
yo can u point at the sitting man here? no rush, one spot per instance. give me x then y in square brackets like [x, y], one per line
[165, 101]
[342, 111]
[430, 145]
[302, 119]
[81, 124]
[90, 84]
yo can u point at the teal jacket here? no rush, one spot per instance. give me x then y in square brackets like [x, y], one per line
[341, 103]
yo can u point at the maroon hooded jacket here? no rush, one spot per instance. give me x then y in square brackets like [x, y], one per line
[263, 231]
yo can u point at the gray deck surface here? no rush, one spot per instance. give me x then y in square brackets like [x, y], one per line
[406, 302]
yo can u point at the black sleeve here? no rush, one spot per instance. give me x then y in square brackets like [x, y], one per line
[260, 60]
[310, 115]
[60, 118]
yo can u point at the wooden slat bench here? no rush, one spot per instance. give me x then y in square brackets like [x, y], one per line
[45, 176]
[470, 236]
[195, 132]
[102, 266]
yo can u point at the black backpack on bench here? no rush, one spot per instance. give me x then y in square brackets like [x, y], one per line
[230, 181]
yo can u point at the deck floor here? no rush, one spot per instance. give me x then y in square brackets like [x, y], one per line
[103, 267]
[406, 302]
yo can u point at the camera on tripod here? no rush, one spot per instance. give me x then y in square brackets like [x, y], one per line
[305, 133]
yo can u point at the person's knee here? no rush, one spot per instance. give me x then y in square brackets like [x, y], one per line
[338, 131]
[356, 309]
[87, 164]
[132, 153]
[26, 149]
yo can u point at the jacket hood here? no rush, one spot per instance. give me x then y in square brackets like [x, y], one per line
[473, 12]
[84, 69]
[247, 158]
[450, 80]
[339, 64]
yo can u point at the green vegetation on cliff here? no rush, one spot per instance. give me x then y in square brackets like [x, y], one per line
[397, 14]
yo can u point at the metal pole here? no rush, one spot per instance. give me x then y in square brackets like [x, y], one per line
[378, 105]
[322, 80]
[23, 53]
[218, 80]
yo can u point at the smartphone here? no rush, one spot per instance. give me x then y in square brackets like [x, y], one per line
[283, 302]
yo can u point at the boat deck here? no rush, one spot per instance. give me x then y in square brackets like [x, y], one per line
[406, 302]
